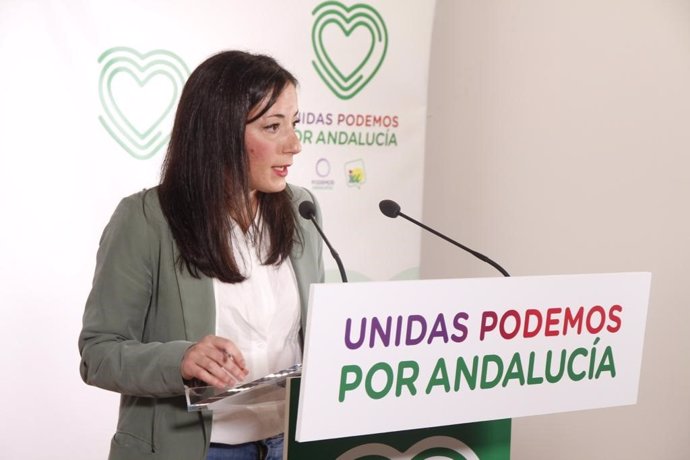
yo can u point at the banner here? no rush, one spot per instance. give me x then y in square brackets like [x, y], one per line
[363, 128]
[401, 355]
[89, 91]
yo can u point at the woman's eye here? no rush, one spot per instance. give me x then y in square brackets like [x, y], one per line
[273, 127]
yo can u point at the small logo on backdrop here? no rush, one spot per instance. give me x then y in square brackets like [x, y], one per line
[323, 171]
[356, 174]
[138, 92]
[350, 44]
[435, 447]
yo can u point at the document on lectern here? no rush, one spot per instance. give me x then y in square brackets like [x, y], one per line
[267, 389]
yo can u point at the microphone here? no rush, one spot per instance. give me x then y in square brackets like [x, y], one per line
[392, 209]
[307, 210]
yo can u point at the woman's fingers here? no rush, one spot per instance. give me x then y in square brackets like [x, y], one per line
[211, 379]
[234, 362]
[215, 360]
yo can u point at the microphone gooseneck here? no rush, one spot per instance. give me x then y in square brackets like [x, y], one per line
[307, 210]
[392, 209]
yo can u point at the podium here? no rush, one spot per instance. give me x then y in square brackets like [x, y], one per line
[438, 368]
[471, 441]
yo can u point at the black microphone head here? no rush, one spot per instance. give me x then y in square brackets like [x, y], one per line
[389, 208]
[307, 210]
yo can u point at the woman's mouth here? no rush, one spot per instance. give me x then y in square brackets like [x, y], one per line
[281, 171]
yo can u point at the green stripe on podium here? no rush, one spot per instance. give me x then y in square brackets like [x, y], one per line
[470, 441]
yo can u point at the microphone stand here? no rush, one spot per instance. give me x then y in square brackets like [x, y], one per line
[335, 255]
[478, 255]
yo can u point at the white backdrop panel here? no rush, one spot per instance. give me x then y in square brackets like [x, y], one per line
[63, 169]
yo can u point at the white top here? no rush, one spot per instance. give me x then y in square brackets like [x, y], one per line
[262, 316]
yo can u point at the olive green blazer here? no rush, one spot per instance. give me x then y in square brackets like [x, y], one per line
[142, 314]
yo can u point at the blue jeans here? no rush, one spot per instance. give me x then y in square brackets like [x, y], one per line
[266, 449]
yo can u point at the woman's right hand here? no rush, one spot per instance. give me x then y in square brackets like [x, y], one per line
[214, 360]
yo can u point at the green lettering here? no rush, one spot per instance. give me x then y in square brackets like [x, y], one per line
[607, 364]
[485, 382]
[514, 371]
[408, 381]
[531, 379]
[439, 377]
[368, 384]
[346, 385]
[461, 370]
[571, 371]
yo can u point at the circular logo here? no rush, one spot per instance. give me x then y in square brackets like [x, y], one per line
[323, 167]
[433, 447]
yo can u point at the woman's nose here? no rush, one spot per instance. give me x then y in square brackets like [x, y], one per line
[292, 143]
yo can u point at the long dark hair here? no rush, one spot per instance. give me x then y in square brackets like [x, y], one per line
[205, 174]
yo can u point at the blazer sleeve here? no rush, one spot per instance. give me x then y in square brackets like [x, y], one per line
[115, 352]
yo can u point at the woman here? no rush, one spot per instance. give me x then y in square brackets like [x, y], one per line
[206, 276]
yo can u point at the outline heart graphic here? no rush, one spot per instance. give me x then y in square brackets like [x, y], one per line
[431, 447]
[141, 143]
[332, 13]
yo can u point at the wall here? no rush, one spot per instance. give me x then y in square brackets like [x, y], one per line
[558, 142]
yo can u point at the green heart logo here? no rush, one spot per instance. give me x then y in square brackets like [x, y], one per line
[346, 31]
[138, 93]
[434, 447]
